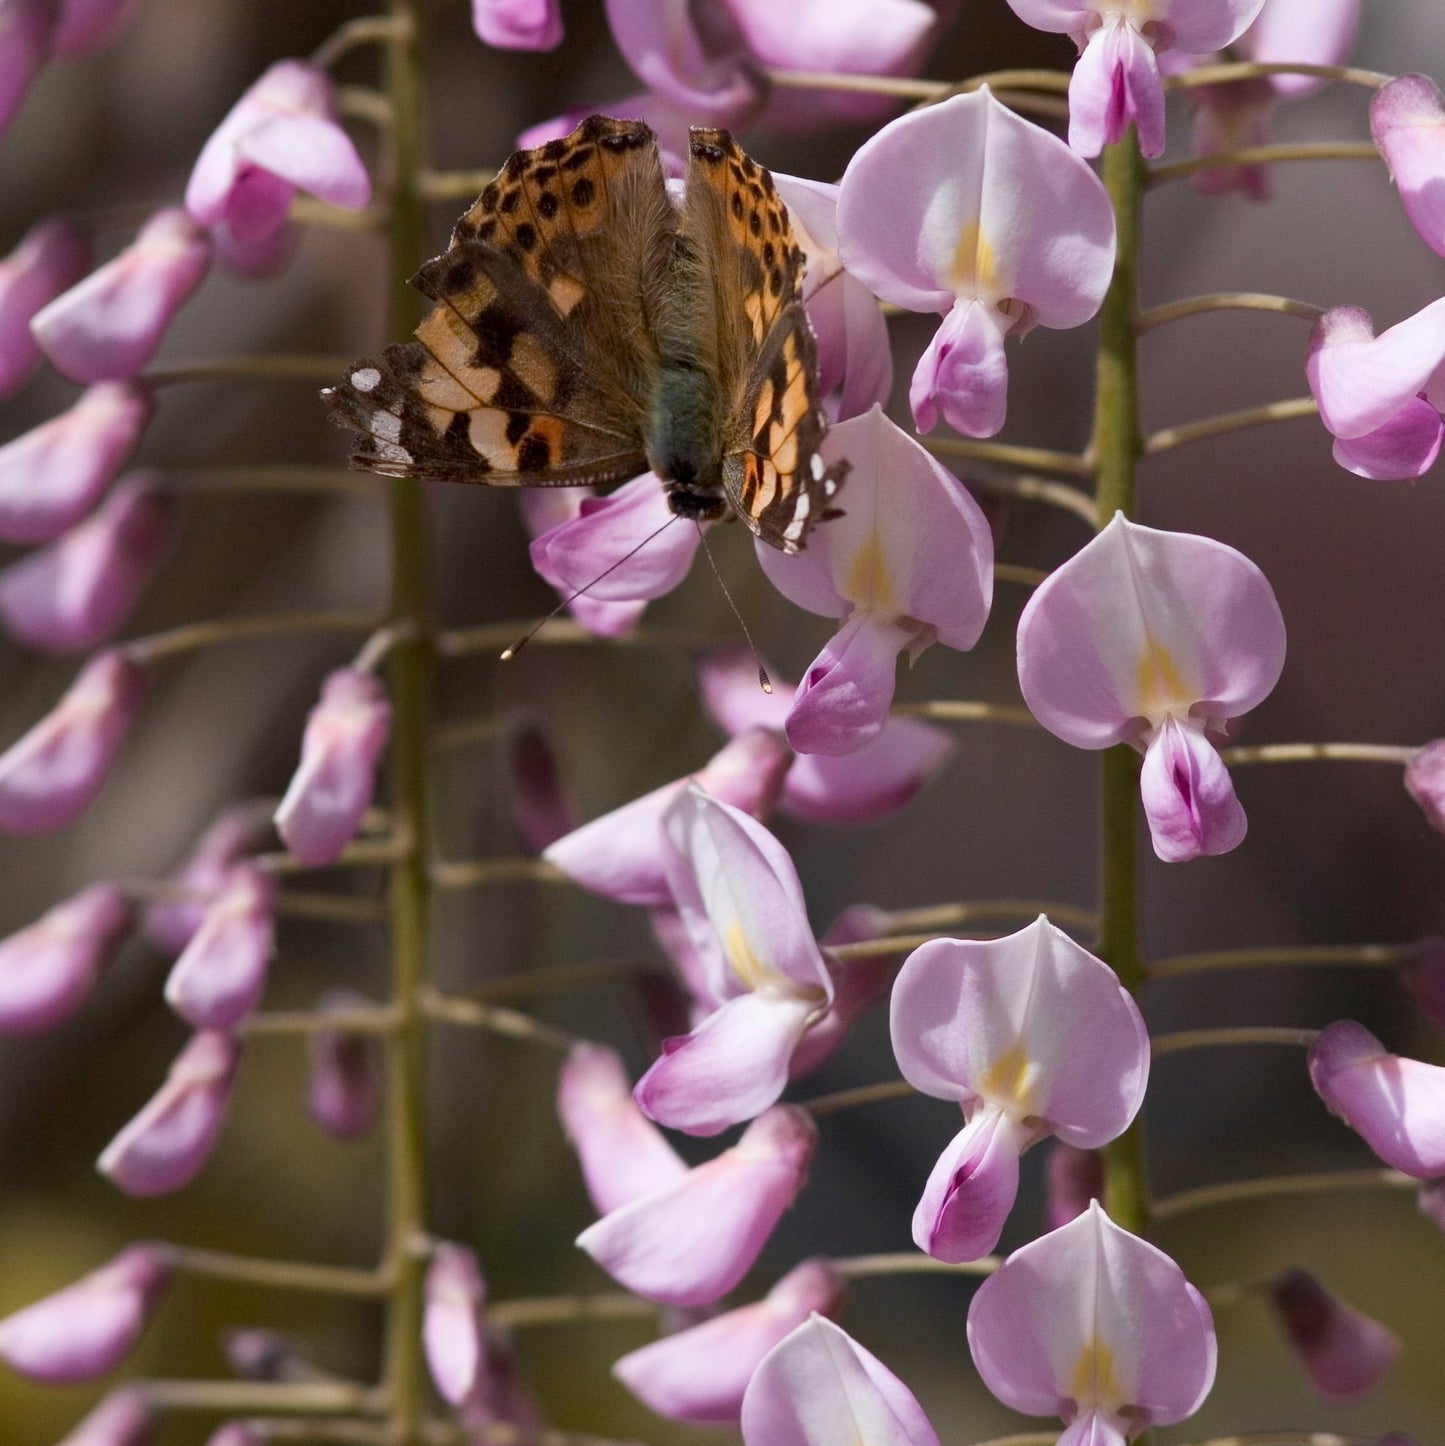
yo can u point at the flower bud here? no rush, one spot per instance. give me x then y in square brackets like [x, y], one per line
[1407, 120]
[452, 1331]
[48, 969]
[220, 977]
[257, 1354]
[52, 475]
[122, 1419]
[49, 777]
[87, 1329]
[518, 24]
[1425, 782]
[332, 788]
[1430, 1201]
[27, 31]
[345, 1074]
[542, 811]
[107, 327]
[77, 593]
[1345, 1353]
[51, 256]
[167, 1143]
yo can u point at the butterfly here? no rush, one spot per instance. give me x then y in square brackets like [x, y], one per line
[587, 329]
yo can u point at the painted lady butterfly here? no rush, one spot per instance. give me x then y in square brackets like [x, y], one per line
[586, 329]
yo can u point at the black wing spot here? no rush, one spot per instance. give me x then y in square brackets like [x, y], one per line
[738, 206]
[542, 174]
[487, 229]
[775, 281]
[517, 424]
[755, 223]
[510, 201]
[526, 235]
[583, 192]
[554, 150]
[770, 253]
[548, 205]
[579, 158]
[534, 455]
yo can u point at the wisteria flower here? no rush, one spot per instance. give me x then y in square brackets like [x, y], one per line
[1097, 1326]
[1033, 1036]
[1345, 1353]
[123, 1418]
[53, 475]
[1116, 82]
[1396, 1104]
[909, 563]
[50, 257]
[692, 1241]
[221, 975]
[819, 1387]
[1407, 120]
[166, 1145]
[547, 508]
[620, 855]
[48, 970]
[108, 326]
[740, 898]
[77, 592]
[281, 137]
[1425, 782]
[701, 1374]
[49, 777]
[518, 24]
[1151, 638]
[967, 210]
[89, 1328]
[452, 1333]
[344, 1090]
[1381, 396]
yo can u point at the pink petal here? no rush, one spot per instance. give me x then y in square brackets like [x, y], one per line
[963, 373]
[1188, 796]
[49, 777]
[1345, 1353]
[729, 1069]
[257, 258]
[48, 970]
[52, 475]
[123, 1418]
[620, 855]
[311, 153]
[819, 1387]
[1397, 1105]
[166, 1145]
[79, 591]
[107, 327]
[1310, 32]
[1139, 624]
[346, 736]
[452, 1324]
[1201, 25]
[700, 1375]
[220, 977]
[1403, 449]
[691, 1243]
[1425, 782]
[972, 1189]
[1407, 120]
[843, 701]
[27, 29]
[966, 200]
[518, 24]
[1116, 84]
[870, 783]
[344, 1088]
[51, 256]
[624, 1156]
[1062, 1301]
[89, 1328]
[1074, 1177]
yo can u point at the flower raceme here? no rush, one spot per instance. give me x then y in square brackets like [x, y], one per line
[1150, 638]
[1032, 1036]
[967, 210]
[909, 563]
[742, 905]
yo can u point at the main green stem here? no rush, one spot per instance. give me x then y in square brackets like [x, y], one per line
[1117, 446]
[410, 670]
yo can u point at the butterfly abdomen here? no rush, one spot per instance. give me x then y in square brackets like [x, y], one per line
[684, 446]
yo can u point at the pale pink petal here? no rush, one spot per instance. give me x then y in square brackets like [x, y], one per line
[1074, 1177]
[843, 701]
[624, 1156]
[1407, 120]
[53, 475]
[1115, 85]
[730, 1068]
[78, 592]
[1202, 25]
[220, 977]
[50, 257]
[344, 1088]
[701, 1374]
[1425, 782]
[123, 1418]
[691, 1243]
[1308, 32]
[1401, 450]
[452, 1335]
[963, 373]
[107, 327]
[89, 1328]
[1396, 1104]
[518, 24]
[1361, 382]
[48, 969]
[1345, 1352]
[257, 258]
[311, 153]
[971, 1189]
[819, 1387]
[346, 736]
[1188, 796]
[166, 1145]
[49, 777]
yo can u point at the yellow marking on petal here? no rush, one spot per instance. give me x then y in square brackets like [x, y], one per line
[745, 964]
[867, 581]
[1010, 1079]
[974, 270]
[1093, 1380]
[1161, 688]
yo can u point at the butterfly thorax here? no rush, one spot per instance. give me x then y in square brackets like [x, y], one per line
[683, 444]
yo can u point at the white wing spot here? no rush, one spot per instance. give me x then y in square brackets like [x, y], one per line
[390, 452]
[386, 425]
[365, 379]
[815, 465]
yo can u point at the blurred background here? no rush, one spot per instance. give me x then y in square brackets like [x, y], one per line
[1335, 854]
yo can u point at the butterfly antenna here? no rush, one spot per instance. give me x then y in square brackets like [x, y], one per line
[764, 682]
[509, 653]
